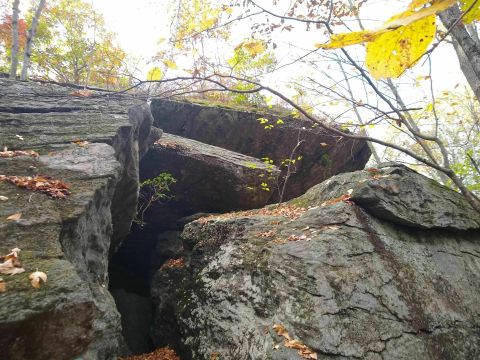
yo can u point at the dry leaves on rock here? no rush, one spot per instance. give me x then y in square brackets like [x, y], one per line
[54, 188]
[344, 198]
[174, 263]
[82, 93]
[10, 154]
[267, 234]
[14, 217]
[167, 144]
[303, 350]
[10, 263]
[290, 211]
[165, 353]
[81, 143]
[38, 278]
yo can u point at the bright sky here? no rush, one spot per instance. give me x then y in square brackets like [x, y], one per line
[140, 24]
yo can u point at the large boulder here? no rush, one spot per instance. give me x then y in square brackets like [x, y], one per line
[208, 179]
[323, 153]
[330, 276]
[93, 144]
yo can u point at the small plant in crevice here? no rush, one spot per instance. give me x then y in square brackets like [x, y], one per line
[151, 191]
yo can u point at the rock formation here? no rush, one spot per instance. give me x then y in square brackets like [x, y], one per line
[323, 154]
[374, 264]
[378, 264]
[208, 179]
[73, 314]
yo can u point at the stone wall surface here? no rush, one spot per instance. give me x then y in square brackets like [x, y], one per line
[378, 264]
[323, 154]
[73, 314]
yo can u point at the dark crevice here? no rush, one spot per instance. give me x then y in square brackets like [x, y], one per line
[131, 272]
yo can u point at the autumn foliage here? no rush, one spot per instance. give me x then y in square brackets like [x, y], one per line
[6, 32]
[45, 184]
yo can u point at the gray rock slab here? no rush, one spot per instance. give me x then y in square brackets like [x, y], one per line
[209, 179]
[401, 195]
[344, 282]
[323, 154]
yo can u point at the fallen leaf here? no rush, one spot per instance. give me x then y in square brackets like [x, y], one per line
[293, 238]
[165, 353]
[269, 233]
[290, 211]
[11, 264]
[81, 143]
[82, 93]
[45, 184]
[281, 331]
[10, 154]
[174, 263]
[3, 286]
[303, 350]
[14, 217]
[341, 198]
[37, 278]
[167, 144]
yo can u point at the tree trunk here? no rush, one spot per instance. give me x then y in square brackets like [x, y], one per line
[15, 41]
[466, 47]
[30, 37]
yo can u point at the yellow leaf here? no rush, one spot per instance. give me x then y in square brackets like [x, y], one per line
[253, 47]
[414, 13]
[473, 14]
[170, 64]
[37, 278]
[154, 74]
[394, 52]
[341, 40]
[410, 16]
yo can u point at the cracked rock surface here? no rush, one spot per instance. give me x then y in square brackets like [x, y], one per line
[346, 281]
[322, 153]
[72, 315]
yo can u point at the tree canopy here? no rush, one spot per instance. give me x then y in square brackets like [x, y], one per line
[394, 80]
[72, 45]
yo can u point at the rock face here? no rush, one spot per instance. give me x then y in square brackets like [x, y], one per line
[73, 315]
[323, 154]
[208, 179]
[358, 278]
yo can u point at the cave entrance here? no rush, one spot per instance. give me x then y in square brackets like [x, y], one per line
[131, 271]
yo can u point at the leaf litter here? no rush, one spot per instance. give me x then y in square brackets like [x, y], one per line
[56, 189]
[10, 154]
[165, 353]
[303, 350]
[10, 263]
